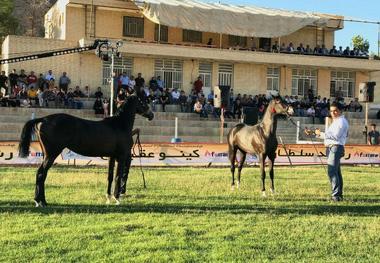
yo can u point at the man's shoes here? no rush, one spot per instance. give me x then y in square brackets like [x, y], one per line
[337, 198]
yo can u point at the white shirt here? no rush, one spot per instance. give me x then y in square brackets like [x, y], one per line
[336, 133]
[175, 94]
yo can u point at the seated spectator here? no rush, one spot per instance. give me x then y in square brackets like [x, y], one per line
[324, 50]
[290, 47]
[3, 97]
[69, 98]
[317, 50]
[311, 112]
[308, 50]
[301, 48]
[347, 51]
[164, 99]
[32, 80]
[333, 51]
[183, 101]
[373, 137]
[209, 43]
[299, 111]
[154, 98]
[357, 106]
[33, 96]
[208, 109]
[340, 51]
[153, 84]
[86, 92]
[275, 47]
[175, 96]
[78, 94]
[50, 97]
[283, 47]
[23, 97]
[61, 96]
[99, 93]
[238, 108]
[98, 106]
[198, 109]
[202, 98]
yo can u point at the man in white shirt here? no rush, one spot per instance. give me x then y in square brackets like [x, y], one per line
[175, 96]
[334, 139]
[49, 76]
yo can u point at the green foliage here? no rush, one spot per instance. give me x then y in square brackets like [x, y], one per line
[8, 24]
[190, 215]
[359, 43]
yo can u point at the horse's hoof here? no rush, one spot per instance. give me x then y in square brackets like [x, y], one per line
[263, 194]
[117, 200]
[108, 199]
[272, 191]
[36, 204]
[232, 187]
[238, 185]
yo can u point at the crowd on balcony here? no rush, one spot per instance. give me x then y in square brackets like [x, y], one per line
[319, 50]
[45, 90]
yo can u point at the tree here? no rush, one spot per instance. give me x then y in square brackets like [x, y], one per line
[360, 43]
[8, 23]
[31, 16]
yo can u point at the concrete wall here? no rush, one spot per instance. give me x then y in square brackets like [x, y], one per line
[375, 76]
[75, 23]
[83, 69]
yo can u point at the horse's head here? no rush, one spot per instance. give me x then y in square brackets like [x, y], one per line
[278, 106]
[142, 106]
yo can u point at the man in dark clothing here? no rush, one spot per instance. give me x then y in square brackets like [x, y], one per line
[3, 80]
[140, 82]
[373, 136]
[13, 80]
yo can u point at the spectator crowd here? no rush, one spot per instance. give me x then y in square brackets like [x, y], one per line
[45, 90]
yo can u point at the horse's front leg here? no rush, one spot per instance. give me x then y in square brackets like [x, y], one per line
[232, 156]
[262, 170]
[119, 175]
[111, 166]
[241, 164]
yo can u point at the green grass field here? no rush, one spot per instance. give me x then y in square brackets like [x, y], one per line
[190, 215]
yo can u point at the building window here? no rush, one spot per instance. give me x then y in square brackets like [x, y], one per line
[303, 80]
[123, 64]
[344, 80]
[273, 78]
[133, 27]
[237, 41]
[163, 33]
[205, 72]
[171, 71]
[192, 36]
[225, 75]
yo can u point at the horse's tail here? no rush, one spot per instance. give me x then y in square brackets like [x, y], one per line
[26, 136]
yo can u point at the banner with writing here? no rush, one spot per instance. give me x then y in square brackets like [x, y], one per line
[165, 154]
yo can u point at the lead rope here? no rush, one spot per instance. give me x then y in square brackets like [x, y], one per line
[138, 143]
[313, 143]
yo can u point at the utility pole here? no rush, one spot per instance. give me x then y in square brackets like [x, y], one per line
[108, 51]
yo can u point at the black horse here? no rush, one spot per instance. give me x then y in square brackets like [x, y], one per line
[258, 139]
[110, 137]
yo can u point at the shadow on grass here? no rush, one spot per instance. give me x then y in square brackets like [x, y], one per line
[185, 208]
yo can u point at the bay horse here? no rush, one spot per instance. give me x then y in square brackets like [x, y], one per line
[110, 137]
[259, 139]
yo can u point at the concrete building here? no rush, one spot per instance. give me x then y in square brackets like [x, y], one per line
[180, 55]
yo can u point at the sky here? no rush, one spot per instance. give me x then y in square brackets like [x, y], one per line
[368, 10]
